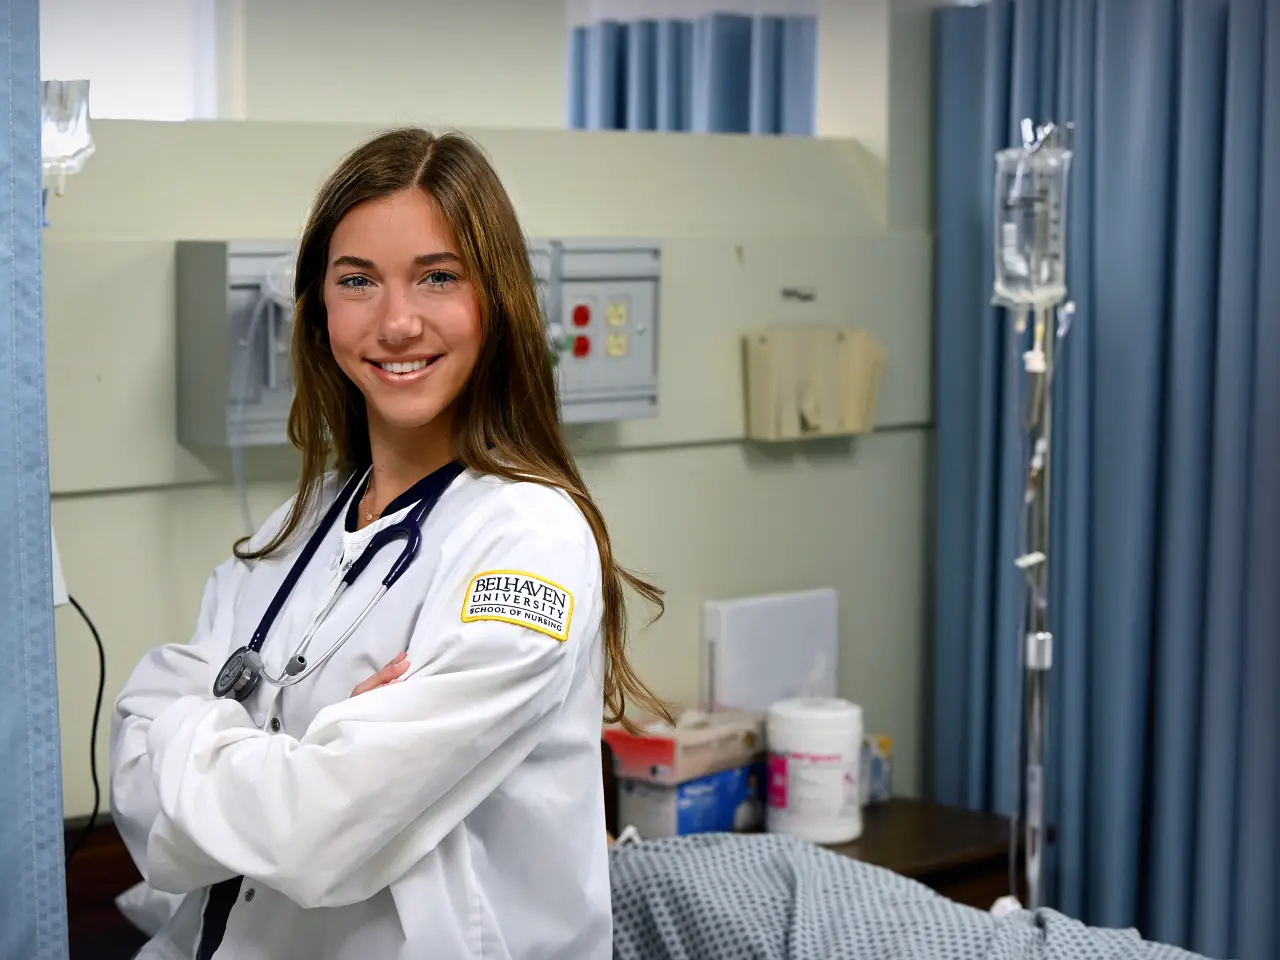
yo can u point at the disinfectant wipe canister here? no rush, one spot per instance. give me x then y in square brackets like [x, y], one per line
[815, 749]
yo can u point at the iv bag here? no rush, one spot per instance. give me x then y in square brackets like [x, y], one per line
[1030, 220]
[66, 142]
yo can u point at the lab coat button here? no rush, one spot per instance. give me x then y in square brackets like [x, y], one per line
[275, 724]
[248, 895]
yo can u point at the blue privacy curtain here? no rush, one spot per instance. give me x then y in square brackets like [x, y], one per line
[32, 888]
[723, 71]
[1164, 752]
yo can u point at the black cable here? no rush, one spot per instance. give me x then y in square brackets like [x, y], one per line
[93, 735]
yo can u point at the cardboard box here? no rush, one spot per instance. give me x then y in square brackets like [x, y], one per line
[721, 802]
[699, 744]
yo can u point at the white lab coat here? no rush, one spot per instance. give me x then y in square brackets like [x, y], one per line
[458, 813]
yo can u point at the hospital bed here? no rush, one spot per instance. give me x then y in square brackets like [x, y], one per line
[769, 897]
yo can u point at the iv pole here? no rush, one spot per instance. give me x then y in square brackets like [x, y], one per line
[1030, 282]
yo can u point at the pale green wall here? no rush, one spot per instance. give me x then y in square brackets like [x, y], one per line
[140, 522]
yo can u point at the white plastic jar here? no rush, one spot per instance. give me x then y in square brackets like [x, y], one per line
[815, 753]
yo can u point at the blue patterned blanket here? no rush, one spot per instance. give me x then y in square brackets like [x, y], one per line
[769, 897]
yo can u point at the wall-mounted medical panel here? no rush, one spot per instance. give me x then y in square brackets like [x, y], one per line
[234, 383]
[599, 301]
[600, 298]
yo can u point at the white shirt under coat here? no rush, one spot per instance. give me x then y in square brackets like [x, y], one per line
[458, 813]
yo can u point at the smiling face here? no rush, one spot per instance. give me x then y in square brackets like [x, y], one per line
[404, 322]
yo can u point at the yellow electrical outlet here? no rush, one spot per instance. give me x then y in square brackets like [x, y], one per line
[615, 314]
[616, 345]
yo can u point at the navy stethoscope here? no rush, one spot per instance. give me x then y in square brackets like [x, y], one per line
[244, 669]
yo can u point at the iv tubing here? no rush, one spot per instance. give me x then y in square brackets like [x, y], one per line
[1035, 389]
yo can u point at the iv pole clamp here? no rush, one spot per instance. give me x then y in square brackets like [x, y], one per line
[1030, 282]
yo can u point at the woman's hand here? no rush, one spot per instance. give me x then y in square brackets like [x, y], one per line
[391, 673]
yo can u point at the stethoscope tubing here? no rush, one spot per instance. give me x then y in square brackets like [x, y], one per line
[244, 669]
[311, 666]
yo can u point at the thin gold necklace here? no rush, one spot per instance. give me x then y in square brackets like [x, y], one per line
[364, 502]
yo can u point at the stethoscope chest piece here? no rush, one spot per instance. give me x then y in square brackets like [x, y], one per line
[239, 676]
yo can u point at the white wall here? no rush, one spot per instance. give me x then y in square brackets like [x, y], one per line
[480, 63]
[380, 61]
[144, 59]
[873, 81]
[431, 61]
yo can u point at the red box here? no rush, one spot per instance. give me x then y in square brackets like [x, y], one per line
[699, 744]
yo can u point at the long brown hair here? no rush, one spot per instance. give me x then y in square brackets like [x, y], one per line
[507, 419]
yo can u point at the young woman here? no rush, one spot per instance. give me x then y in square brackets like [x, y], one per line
[420, 760]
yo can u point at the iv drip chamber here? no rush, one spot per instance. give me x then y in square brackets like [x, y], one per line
[1030, 226]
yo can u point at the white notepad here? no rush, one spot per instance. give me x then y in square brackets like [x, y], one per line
[758, 650]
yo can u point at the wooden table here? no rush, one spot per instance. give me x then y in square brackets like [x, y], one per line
[100, 871]
[961, 854]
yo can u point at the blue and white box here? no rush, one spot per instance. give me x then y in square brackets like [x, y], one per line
[727, 801]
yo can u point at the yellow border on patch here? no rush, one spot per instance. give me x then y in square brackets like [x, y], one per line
[537, 628]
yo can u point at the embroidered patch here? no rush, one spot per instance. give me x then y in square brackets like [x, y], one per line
[513, 596]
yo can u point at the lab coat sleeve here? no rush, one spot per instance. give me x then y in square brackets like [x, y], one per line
[164, 676]
[378, 780]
